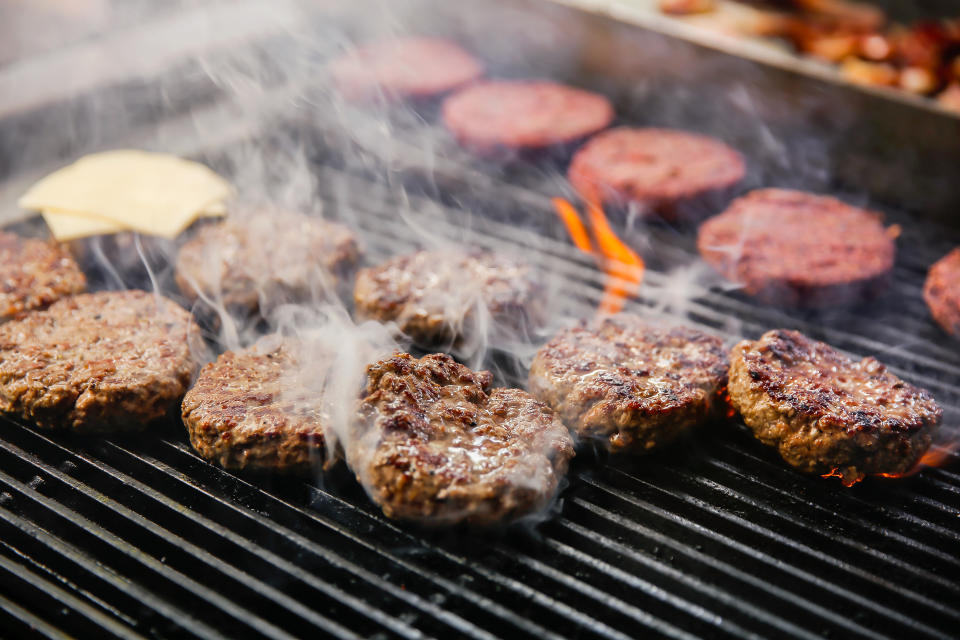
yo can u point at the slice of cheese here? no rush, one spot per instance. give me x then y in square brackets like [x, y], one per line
[65, 225]
[153, 193]
[69, 225]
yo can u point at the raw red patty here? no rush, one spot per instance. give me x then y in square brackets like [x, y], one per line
[942, 292]
[404, 68]
[524, 115]
[660, 168]
[797, 248]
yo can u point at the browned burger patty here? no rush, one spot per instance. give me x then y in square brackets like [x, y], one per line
[796, 248]
[630, 384]
[35, 273]
[436, 445]
[942, 292]
[250, 409]
[524, 115]
[826, 412]
[278, 257]
[404, 68]
[434, 296]
[661, 169]
[97, 362]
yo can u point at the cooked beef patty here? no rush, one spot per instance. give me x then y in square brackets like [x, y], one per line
[942, 292]
[488, 116]
[34, 273]
[628, 383]
[796, 248]
[662, 169]
[434, 296]
[273, 258]
[403, 68]
[251, 409]
[97, 362]
[826, 412]
[436, 445]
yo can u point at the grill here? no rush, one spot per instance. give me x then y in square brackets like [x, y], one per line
[139, 537]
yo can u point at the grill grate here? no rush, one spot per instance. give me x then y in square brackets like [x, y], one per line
[715, 538]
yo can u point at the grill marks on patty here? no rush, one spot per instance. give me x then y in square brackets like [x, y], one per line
[799, 249]
[437, 445]
[98, 362]
[434, 296]
[826, 411]
[231, 262]
[252, 409]
[34, 274]
[632, 385]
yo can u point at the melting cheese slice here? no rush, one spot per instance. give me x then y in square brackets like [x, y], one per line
[69, 225]
[153, 193]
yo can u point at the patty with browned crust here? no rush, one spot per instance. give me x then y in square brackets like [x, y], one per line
[799, 249]
[941, 291]
[826, 412]
[251, 409]
[438, 297]
[34, 274]
[414, 67]
[523, 115]
[98, 362]
[270, 258]
[664, 170]
[630, 384]
[436, 445]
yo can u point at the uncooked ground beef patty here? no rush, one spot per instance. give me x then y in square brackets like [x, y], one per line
[796, 248]
[436, 445]
[825, 411]
[524, 115]
[34, 273]
[630, 384]
[251, 409]
[273, 258]
[434, 296]
[98, 362]
[403, 68]
[661, 169]
[942, 292]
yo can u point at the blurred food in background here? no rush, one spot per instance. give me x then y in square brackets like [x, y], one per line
[920, 55]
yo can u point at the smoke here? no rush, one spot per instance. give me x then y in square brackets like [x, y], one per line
[259, 107]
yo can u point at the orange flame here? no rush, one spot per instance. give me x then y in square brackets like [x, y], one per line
[624, 268]
[934, 457]
[848, 481]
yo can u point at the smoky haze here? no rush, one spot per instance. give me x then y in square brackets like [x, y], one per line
[243, 87]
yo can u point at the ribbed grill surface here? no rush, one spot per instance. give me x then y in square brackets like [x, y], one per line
[715, 538]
